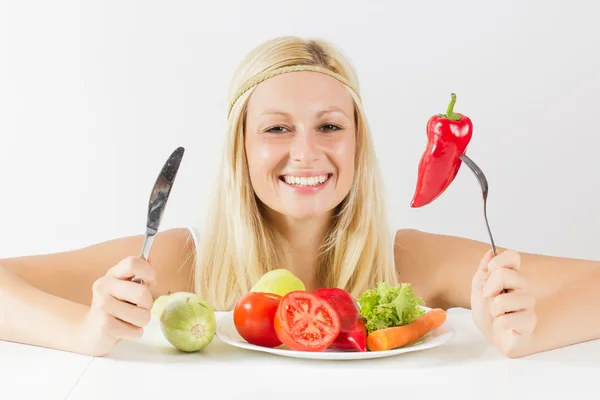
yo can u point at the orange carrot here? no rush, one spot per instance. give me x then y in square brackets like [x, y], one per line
[391, 338]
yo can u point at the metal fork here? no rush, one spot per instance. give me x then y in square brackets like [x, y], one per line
[484, 189]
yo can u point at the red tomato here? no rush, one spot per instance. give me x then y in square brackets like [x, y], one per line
[305, 322]
[253, 317]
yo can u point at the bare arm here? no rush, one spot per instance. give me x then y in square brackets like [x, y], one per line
[442, 267]
[565, 291]
[45, 297]
[29, 315]
[568, 316]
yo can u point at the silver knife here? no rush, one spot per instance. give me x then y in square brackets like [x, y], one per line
[158, 201]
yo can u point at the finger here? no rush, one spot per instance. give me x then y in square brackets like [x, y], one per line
[481, 274]
[522, 322]
[510, 302]
[485, 260]
[126, 312]
[507, 259]
[134, 266]
[122, 330]
[500, 279]
[131, 292]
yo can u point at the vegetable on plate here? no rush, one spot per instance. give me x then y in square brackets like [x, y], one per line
[306, 322]
[382, 318]
[353, 333]
[354, 338]
[278, 281]
[387, 306]
[254, 318]
[398, 336]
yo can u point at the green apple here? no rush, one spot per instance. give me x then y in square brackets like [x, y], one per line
[279, 281]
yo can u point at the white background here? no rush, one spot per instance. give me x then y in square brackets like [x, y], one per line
[94, 96]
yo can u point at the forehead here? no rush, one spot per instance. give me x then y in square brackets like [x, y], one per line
[297, 92]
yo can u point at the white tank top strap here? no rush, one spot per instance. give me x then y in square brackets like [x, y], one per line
[194, 233]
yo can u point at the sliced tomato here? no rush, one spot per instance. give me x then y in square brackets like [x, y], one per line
[253, 317]
[305, 322]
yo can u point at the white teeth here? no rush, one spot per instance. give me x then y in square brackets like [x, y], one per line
[305, 181]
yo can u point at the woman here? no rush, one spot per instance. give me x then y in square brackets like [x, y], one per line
[299, 188]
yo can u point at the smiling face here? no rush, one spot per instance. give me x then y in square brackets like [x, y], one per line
[300, 139]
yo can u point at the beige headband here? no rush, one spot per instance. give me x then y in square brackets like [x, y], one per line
[292, 68]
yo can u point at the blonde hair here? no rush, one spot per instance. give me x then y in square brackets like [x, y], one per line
[238, 244]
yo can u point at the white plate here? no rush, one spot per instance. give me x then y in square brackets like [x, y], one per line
[227, 333]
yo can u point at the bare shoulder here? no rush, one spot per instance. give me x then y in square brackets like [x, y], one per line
[71, 274]
[413, 265]
[173, 257]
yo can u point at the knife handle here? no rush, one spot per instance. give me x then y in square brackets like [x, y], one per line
[145, 253]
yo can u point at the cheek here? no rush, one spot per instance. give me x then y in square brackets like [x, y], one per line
[262, 156]
[343, 153]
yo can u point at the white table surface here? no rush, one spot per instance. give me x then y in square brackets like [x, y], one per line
[466, 366]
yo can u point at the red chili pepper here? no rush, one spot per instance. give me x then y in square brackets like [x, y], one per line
[447, 138]
[354, 338]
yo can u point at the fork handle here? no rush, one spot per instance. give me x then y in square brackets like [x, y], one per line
[484, 191]
[488, 226]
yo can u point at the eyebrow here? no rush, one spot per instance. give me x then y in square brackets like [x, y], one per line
[320, 113]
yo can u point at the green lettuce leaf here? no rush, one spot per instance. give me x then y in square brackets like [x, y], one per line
[388, 306]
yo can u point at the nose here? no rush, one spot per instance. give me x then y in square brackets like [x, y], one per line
[304, 148]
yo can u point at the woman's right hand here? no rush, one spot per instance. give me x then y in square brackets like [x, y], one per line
[120, 308]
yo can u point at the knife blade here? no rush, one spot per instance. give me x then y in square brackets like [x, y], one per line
[158, 201]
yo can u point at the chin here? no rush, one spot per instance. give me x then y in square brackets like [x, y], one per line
[303, 207]
[307, 215]
[301, 212]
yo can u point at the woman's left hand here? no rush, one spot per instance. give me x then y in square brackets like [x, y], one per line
[507, 320]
